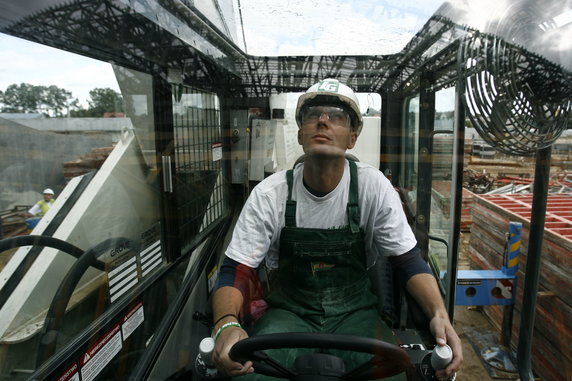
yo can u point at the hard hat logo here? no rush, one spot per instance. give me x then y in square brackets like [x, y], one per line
[329, 85]
[330, 92]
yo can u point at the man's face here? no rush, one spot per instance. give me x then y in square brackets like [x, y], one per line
[326, 131]
[48, 196]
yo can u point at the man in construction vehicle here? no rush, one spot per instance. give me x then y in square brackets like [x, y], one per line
[41, 207]
[319, 227]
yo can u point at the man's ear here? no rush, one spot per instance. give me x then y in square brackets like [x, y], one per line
[352, 140]
[299, 137]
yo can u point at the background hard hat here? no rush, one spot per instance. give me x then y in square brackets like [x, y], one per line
[338, 93]
[48, 191]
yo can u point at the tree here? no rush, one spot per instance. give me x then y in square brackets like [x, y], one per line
[23, 98]
[58, 100]
[27, 98]
[105, 100]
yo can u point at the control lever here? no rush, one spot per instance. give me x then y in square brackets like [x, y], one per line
[204, 365]
[439, 358]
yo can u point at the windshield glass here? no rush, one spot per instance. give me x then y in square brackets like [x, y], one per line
[134, 132]
[332, 27]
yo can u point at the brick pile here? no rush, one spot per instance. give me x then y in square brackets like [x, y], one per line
[491, 214]
[86, 163]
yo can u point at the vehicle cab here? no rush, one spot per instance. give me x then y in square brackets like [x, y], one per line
[116, 280]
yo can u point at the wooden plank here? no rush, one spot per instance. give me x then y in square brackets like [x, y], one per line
[552, 337]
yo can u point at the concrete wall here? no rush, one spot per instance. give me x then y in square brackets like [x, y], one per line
[31, 160]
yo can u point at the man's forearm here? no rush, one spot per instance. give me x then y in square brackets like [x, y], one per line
[424, 289]
[226, 300]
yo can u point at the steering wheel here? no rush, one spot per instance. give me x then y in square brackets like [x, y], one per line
[387, 359]
[55, 315]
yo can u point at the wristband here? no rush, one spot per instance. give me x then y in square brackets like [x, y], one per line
[225, 326]
[225, 316]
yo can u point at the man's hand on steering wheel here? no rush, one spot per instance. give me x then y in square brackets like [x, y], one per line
[224, 343]
[387, 359]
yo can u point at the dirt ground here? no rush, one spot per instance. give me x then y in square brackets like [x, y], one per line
[5, 257]
[473, 368]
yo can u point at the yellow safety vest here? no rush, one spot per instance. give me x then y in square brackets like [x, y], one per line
[44, 207]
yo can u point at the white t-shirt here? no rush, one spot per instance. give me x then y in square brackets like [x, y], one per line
[257, 232]
[36, 208]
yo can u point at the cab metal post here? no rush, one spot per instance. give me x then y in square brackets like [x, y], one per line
[532, 273]
[392, 119]
[425, 166]
[163, 113]
[456, 198]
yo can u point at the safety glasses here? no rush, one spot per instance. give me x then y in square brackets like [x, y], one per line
[335, 115]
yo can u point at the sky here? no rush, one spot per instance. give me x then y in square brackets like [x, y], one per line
[27, 62]
[323, 27]
[332, 27]
[69, 71]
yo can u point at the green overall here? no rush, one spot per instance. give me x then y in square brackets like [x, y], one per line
[322, 284]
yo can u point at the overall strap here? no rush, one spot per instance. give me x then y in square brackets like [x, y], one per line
[353, 207]
[290, 213]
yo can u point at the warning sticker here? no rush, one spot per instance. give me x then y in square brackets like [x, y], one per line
[132, 320]
[217, 151]
[212, 278]
[71, 374]
[101, 354]
[505, 289]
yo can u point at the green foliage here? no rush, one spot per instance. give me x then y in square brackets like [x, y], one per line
[101, 100]
[27, 98]
[57, 102]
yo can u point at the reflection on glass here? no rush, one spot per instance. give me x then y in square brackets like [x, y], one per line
[410, 143]
[101, 166]
[198, 157]
[440, 224]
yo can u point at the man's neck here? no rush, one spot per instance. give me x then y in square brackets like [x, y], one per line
[323, 174]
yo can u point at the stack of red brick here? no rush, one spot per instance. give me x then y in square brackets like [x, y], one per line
[86, 163]
[552, 352]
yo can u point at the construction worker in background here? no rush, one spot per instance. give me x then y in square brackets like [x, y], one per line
[293, 219]
[42, 206]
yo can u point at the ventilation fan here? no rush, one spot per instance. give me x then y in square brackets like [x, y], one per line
[517, 101]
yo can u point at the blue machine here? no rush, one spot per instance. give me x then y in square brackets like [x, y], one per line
[492, 287]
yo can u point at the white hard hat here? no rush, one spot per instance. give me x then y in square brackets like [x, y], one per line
[331, 92]
[48, 191]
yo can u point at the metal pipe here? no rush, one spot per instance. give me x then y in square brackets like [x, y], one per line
[532, 274]
[456, 199]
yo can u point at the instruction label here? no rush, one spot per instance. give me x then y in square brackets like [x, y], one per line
[151, 257]
[101, 354]
[132, 320]
[71, 374]
[468, 282]
[122, 279]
